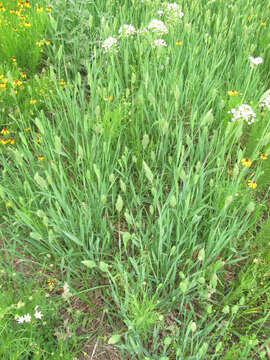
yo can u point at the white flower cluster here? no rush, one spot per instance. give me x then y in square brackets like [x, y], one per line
[265, 99]
[158, 26]
[243, 112]
[255, 61]
[127, 30]
[159, 43]
[27, 318]
[110, 44]
[172, 12]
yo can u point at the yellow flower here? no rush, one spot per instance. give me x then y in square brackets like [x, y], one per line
[263, 156]
[263, 23]
[252, 184]
[4, 131]
[15, 91]
[232, 93]
[26, 4]
[39, 9]
[246, 162]
[51, 284]
[27, 24]
[229, 171]
[48, 9]
[27, 129]
[4, 141]
[15, 29]
[109, 98]
[17, 83]
[62, 82]
[47, 42]
[38, 140]
[13, 59]
[1, 76]
[40, 158]
[33, 101]
[39, 43]
[179, 42]
[3, 86]
[23, 75]
[11, 141]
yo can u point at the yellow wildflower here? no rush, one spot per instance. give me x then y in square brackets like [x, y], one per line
[11, 141]
[179, 42]
[39, 43]
[33, 101]
[27, 24]
[232, 93]
[47, 42]
[39, 9]
[4, 131]
[246, 162]
[48, 9]
[40, 158]
[252, 184]
[263, 156]
[23, 75]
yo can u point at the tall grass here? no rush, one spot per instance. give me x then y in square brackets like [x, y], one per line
[134, 178]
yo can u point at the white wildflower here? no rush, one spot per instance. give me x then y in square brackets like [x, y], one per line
[127, 30]
[255, 61]
[265, 100]
[109, 44]
[157, 26]
[173, 12]
[159, 43]
[160, 12]
[27, 318]
[38, 315]
[20, 319]
[243, 112]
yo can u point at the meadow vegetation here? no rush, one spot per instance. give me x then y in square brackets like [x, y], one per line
[134, 183]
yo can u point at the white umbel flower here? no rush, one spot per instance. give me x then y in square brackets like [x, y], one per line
[158, 26]
[159, 43]
[109, 44]
[172, 11]
[127, 30]
[265, 99]
[243, 112]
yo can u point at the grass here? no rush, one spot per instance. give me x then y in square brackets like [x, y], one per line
[124, 177]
